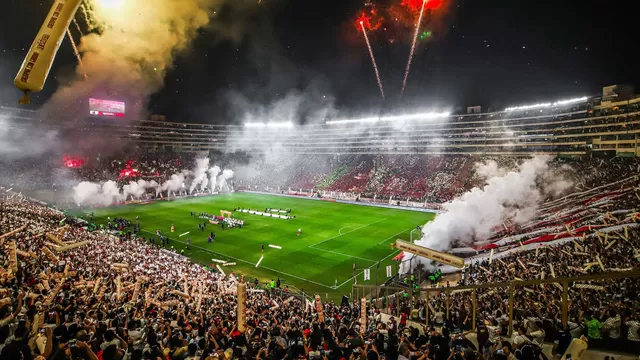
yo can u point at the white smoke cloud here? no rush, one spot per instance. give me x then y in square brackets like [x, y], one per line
[200, 175]
[138, 188]
[213, 177]
[489, 169]
[174, 184]
[20, 139]
[512, 195]
[222, 180]
[88, 193]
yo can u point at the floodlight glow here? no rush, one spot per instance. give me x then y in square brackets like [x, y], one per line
[255, 125]
[546, 105]
[288, 125]
[271, 125]
[420, 116]
[364, 120]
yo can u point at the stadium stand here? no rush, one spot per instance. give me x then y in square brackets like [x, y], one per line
[67, 292]
[121, 297]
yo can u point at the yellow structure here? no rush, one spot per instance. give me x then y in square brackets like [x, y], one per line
[35, 68]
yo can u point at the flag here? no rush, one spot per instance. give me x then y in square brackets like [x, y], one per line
[388, 271]
[367, 274]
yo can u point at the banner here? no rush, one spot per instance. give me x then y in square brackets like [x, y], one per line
[35, 68]
[438, 256]
[242, 308]
[319, 309]
[388, 271]
[13, 257]
[367, 274]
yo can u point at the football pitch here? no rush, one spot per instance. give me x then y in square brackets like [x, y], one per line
[320, 260]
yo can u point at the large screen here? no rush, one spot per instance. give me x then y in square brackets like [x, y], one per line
[106, 107]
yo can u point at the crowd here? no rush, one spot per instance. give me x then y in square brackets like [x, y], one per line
[67, 292]
[231, 223]
[72, 294]
[589, 234]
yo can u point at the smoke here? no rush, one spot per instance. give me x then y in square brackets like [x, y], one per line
[489, 169]
[137, 189]
[88, 193]
[133, 45]
[507, 195]
[200, 174]
[213, 176]
[309, 105]
[222, 180]
[175, 182]
[19, 139]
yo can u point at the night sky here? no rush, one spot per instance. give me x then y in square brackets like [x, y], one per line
[493, 53]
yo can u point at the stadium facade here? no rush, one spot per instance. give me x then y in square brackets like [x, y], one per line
[603, 126]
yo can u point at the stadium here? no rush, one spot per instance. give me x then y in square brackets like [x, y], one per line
[319, 223]
[457, 232]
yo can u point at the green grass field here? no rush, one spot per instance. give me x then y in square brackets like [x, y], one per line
[334, 237]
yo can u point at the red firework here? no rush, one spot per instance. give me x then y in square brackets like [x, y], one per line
[370, 20]
[415, 5]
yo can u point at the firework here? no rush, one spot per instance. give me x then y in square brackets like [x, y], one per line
[86, 12]
[78, 27]
[413, 47]
[77, 53]
[416, 5]
[373, 59]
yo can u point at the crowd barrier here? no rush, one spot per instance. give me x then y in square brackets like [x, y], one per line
[382, 296]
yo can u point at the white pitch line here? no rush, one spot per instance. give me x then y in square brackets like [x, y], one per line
[360, 273]
[339, 253]
[259, 261]
[392, 236]
[285, 273]
[266, 268]
[348, 232]
[181, 235]
[346, 227]
[250, 263]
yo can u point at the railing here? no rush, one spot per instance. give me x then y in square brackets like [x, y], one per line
[376, 294]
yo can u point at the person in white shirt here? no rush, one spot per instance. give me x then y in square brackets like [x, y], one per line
[494, 332]
[633, 322]
[438, 318]
[538, 333]
[518, 337]
[612, 325]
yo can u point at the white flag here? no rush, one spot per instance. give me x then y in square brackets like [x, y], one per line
[388, 271]
[367, 274]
